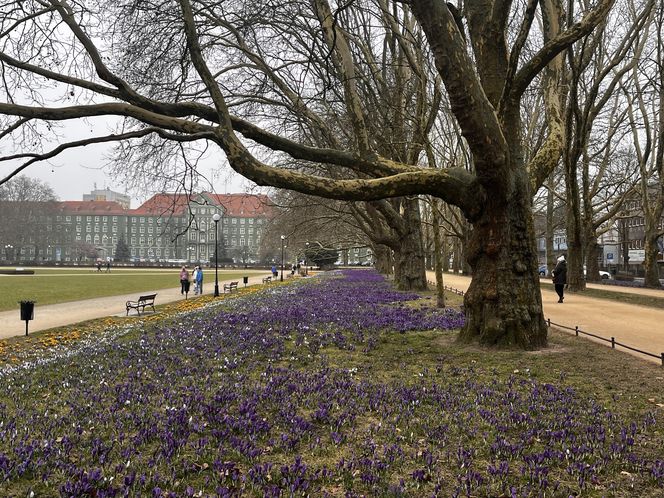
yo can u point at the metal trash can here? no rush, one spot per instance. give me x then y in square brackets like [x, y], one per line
[246, 280]
[27, 310]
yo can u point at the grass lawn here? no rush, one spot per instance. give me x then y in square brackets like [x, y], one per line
[335, 387]
[50, 286]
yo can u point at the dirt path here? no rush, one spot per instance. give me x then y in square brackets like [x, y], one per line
[640, 327]
[57, 315]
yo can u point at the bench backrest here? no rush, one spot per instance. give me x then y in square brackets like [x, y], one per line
[147, 298]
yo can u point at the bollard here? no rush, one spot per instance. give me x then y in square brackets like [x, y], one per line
[613, 343]
[548, 322]
[576, 329]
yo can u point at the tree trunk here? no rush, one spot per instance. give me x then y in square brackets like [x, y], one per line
[650, 260]
[593, 251]
[439, 255]
[409, 265]
[503, 304]
[384, 261]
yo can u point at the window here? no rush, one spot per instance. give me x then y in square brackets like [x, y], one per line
[241, 241]
[68, 218]
[104, 219]
[133, 219]
[115, 229]
[133, 241]
[78, 218]
[251, 221]
[150, 229]
[88, 228]
[115, 219]
[242, 230]
[142, 229]
[96, 218]
[141, 241]
[234, 221]
[88, 239]
[142, 219]
[78, 228]
[241, 221]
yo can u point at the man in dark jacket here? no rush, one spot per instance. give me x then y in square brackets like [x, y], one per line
[560, 277]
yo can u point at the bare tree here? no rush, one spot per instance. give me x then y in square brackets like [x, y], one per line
[189, 101]
[25, 204]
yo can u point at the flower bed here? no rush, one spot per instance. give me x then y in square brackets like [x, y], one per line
[326, 388]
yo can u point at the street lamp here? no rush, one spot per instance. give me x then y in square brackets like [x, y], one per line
[189, 249]
[283, 238]
[216, 217]
[8, 248]
[306, 250]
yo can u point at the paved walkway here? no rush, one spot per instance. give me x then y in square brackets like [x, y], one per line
[636, 326]
[57, 315]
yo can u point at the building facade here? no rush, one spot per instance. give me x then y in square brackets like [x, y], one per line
[166, 228]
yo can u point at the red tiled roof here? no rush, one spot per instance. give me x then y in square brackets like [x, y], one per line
[90, 207]
[243, 205]
[163, 205]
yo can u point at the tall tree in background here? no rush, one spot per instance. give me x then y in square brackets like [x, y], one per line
[175, 88]
[24, 204]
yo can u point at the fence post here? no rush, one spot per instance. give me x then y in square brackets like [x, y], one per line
[613, 343]
[576, 329]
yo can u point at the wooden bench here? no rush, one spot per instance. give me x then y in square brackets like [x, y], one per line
[141, 303]
[230, 287]
[267, 280]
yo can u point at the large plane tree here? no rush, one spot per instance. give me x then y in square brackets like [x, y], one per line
[177, 88]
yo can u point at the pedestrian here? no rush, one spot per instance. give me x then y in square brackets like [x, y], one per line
[98, 265]
[108, 266]
[275, 273]
[199, 280]
[194, 279]
[560, 277]
[184, 280]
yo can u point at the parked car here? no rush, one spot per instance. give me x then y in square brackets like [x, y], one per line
[604, 275]
[543, 271]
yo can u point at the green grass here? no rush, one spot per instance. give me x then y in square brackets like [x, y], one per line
[49, 286]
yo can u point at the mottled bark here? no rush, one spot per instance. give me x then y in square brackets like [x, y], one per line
[503, 303]
[384, 261]
[409, 265]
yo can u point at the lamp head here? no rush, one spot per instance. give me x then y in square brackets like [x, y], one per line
[283, 237]
[216, 217]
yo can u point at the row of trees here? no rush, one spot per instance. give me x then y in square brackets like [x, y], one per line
[386, 104]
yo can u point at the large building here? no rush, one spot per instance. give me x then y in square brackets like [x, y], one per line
[167, 227]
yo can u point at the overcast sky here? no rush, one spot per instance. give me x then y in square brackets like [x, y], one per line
[78, 171]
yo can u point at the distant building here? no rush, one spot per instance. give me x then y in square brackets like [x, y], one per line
[167, 227]
[108, 195]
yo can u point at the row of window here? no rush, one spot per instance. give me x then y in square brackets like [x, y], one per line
[639, 221]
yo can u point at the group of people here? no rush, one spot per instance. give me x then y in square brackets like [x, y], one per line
[186, 280]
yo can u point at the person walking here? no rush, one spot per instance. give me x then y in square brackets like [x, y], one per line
[199, 281]
[184, 280]
[275, 273]
[194, 279]
[560, 277]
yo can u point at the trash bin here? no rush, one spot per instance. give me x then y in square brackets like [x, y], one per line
[246, 280]
[27, 310]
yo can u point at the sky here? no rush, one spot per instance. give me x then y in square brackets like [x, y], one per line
[79, 171]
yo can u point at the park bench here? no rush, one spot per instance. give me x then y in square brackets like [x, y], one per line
[141, 303]
[267, 280]
[230, 287]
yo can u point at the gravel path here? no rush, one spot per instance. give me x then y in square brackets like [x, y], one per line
[640, 327]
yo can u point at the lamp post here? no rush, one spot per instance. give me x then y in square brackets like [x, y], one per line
[189, 249]
[216, 217]
[8, 248]
[283, 238]
[306, 250]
